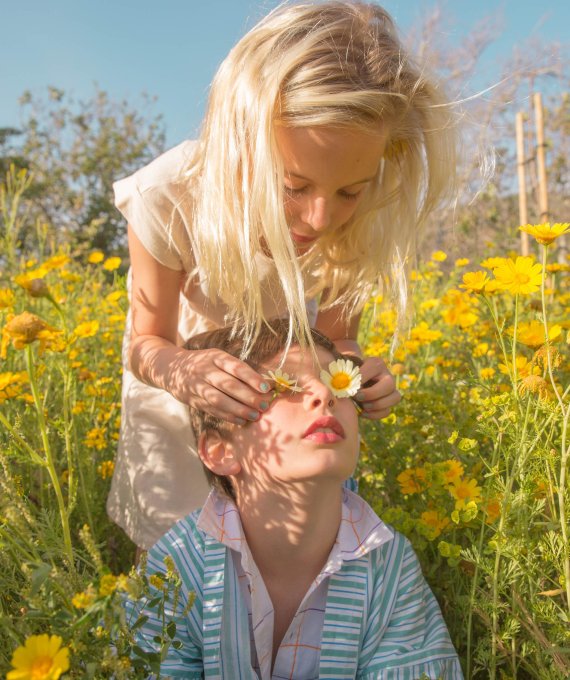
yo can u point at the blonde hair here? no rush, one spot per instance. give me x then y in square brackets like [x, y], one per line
[340, 64]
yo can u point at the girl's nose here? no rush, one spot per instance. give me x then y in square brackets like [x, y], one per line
[318, 213]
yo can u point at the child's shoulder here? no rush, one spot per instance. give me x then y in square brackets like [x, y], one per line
[184, 538]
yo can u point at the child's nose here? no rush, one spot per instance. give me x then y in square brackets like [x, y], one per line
[320, 394]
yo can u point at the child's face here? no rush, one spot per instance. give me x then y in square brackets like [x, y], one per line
[327, 172]
[302, 436]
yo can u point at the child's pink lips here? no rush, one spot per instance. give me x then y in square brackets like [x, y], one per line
[333, 430]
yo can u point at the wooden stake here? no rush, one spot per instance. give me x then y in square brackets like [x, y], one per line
[541, 158]
[521, 162]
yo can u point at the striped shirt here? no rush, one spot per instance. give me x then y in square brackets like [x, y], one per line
[369, 613]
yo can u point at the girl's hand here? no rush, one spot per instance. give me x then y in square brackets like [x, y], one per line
[381, 395]
[219, 384]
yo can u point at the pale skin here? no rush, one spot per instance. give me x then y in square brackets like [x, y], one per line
[327, 172]
[287, 484]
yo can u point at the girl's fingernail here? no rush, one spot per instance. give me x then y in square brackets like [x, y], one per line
[240, 421]
[368, 407]
[264, 406]
[264, 387]
[359, 396]
[253, 415]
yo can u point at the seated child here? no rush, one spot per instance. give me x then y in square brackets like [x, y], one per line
[294, 576]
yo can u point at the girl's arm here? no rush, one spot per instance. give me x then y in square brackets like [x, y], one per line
[192, 376]
[378, 399]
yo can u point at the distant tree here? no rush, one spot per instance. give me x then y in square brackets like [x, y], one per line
[75, 150]
[487, 206]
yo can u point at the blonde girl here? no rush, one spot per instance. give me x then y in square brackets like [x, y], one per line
[323, 150]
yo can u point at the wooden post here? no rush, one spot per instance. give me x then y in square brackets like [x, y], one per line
[541, 158]
[521, 163]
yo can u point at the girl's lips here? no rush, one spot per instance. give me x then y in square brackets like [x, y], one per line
[298, 238]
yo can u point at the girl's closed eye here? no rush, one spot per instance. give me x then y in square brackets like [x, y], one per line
[349, 196]
[294, 191]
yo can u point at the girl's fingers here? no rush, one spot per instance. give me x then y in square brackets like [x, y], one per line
[238, 391]
[242, 371]
[221, 405]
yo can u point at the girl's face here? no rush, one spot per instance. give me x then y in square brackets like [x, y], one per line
[327, 172]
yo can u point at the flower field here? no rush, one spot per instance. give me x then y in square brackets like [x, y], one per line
[472, 466]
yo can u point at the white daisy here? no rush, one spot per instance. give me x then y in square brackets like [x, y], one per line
[343, 378]
[283, 381]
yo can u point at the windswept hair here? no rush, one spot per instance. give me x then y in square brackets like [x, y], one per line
[337, 63]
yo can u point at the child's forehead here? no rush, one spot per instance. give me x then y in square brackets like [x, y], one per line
[298, 359]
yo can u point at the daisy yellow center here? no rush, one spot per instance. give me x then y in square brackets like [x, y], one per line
[340, 381]
[521, 277]
[283, 382]
[41, 667]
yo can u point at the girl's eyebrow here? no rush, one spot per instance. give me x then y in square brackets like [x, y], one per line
[306, 179]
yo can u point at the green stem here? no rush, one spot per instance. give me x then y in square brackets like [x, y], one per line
[564, 453]
[494, 462]
[49, 463]
[38, 460]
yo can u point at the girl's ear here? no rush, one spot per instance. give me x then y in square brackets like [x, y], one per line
[217, 454]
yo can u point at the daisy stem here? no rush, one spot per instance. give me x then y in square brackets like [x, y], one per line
[49, 463]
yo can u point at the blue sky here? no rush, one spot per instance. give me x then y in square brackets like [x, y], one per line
[172, 48]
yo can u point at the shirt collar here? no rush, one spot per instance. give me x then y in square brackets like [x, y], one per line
[360, 531]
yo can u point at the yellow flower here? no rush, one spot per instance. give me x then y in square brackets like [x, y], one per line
[523, 276]
[523, 365]
[112, 263]
[459, 310]
[423, 333]
[95, 439]
[343, 378]
[481, 349]
[434, 523]
[535, 384]
[532, 333]
[412, 480]
[157, 581]
[438, 256]
[56, 262]
[41, 658]
[487, 373]
[462, 262]
[33, 283]
[545, 233]
[87, 329]
[96, 257]
[475, 281]
[7, 298]
[492, 509]
[11, 384]
[107, 585]
[493, 262]
[84, 600]
[465, 491]
[24, 329]
[283, 382]
[453, 468]
[106, 469]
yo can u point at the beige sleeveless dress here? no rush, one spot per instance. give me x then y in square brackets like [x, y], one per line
[158, 476]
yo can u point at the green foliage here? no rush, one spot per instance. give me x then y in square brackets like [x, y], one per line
[75, 150]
